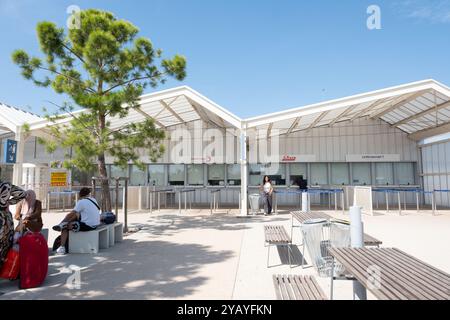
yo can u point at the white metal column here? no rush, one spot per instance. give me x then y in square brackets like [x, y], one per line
[244, 182]
[18, 166]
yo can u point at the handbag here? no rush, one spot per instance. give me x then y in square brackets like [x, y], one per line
[11, 267]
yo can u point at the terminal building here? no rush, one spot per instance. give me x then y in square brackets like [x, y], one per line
[380, 138]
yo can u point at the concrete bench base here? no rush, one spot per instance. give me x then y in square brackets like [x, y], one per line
[103, 237]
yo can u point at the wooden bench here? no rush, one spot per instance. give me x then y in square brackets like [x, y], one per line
[103, 237]
[295, 287]
[276, 235]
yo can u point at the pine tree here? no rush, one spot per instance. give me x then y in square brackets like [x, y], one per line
[102, 66]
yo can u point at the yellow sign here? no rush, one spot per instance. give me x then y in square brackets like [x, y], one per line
[58, 179]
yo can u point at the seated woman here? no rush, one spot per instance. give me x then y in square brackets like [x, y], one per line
[9, 195]
[28, 213]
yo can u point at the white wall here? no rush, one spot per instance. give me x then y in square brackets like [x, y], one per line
[327, 144]
[360, 137]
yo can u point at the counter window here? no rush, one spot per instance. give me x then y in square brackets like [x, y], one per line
[117, 171]
[296, 171]
[404, 173]
[319, 174]
[176, 174]
[361, 175]
[339, 174]
[216, 175]
[137, 176]
[195, 174]
[156, 175]
[383, 174]
[234, 174]
[276, 174]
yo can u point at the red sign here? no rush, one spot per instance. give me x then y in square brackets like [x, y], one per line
[288, 158]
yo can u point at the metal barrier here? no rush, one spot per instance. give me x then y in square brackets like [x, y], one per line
[313, 191]
[214, 202]
[399, 191]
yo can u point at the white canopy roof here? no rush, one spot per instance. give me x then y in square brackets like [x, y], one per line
[421, 109]
[11, 118]
[168, 108]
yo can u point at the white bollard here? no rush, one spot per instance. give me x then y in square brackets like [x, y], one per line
[357, 241]
[305, 202]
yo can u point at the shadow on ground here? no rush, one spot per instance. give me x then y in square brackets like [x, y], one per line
[129, 270]
[170, 224]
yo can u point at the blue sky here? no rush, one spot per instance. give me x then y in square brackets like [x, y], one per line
[258, 56]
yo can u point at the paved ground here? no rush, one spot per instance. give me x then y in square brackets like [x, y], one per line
[198, 256]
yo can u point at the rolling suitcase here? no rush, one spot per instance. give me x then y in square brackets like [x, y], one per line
[33, 260]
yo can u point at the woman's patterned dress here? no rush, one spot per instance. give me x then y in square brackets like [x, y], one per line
[9, 195]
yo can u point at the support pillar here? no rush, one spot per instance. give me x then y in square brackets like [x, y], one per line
[18, 166]
[244, 183]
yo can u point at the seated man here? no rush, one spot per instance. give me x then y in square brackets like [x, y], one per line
[84, 217]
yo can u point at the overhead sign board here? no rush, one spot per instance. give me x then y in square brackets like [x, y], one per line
[373, 158]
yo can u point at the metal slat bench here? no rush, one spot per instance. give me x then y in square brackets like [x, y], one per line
[295, 287]
[276, 235]
[400, 276]
[301, 217]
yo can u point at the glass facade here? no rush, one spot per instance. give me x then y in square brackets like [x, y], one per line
[195, 174]
[364, 173]
[176, 174]
[216, 175]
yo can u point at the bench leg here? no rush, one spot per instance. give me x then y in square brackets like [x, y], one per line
[289, 250]
[268, 255]
[332, 280]
[303, 256]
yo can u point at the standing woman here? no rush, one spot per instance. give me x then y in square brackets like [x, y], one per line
[9, 195]
[267, 194]
[28, 213]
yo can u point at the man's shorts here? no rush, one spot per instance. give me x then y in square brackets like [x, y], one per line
[85, 227]
[81, 226]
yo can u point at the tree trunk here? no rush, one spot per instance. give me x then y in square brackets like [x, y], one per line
[106, 195]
